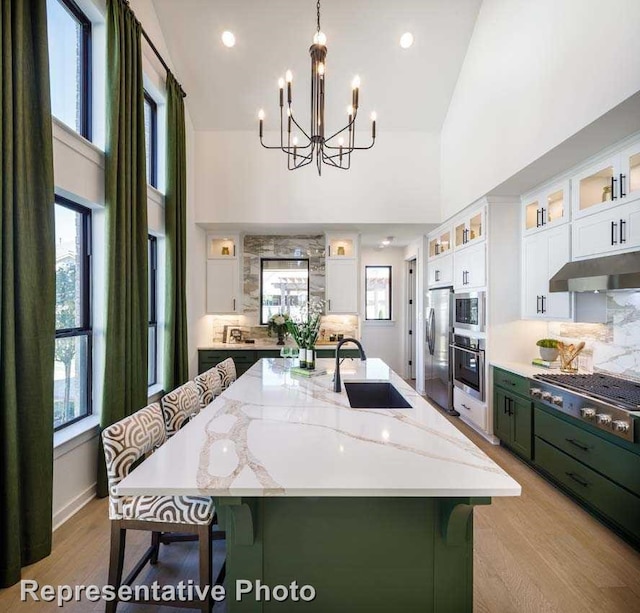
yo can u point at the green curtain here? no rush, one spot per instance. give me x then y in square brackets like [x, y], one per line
[127, 317]
[27, 289]
[176, 354]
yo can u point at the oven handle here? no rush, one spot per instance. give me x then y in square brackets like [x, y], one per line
[477, 352]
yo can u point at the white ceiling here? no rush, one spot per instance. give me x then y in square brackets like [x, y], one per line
[409, 89]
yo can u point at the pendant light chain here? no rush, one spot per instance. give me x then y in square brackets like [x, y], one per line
[318, 10]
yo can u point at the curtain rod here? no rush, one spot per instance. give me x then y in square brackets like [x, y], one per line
[153, 47]
[155, 50]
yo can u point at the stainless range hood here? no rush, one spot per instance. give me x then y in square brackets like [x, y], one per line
[599, 274]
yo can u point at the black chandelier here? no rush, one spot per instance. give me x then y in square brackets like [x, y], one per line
[331, 150]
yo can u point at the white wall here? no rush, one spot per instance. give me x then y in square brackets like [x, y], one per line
[535, 73]
[238, 181]
[386, 339]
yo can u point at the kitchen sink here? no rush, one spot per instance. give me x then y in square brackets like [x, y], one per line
[375, 396]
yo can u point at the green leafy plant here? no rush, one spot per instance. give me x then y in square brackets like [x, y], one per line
[548, 343]
[305, 331]
[277, 324]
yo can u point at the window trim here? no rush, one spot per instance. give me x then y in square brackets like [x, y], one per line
[153, 173]
[390, 318]
[153, 303]
[86, 69]
[287, 259]
[86, 327]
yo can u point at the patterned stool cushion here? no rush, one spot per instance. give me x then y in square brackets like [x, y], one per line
[175, 509]
[227, 370]
[179, 406]
[209, 386]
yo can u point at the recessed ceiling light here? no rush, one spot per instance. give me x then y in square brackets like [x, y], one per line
[387, 241]
[228, 39]
[406, 40]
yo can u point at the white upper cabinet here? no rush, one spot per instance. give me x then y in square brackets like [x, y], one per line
[546, 208]
[223, 274]
[612, 230]
[470, 229]
[630, 169]
[543, 255]
[440, 271]
[342, 273]
[440, 242]
[469, 268]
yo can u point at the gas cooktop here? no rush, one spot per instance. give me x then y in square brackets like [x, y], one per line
[621, 392]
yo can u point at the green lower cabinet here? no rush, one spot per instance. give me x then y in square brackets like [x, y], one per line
[361, 555]
[611, 502]
[513, 421]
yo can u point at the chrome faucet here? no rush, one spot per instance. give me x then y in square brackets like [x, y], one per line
[337, 387]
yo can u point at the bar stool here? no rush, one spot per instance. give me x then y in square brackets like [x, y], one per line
[227, 370]
[179, 406]
[209, 385]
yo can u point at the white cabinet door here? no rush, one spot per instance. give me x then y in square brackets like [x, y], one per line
[544, 254]
[631, 233]
[557, 305]
[222, 286]
[470, 268]
[342, 286]
[441, 271]
[597, 234]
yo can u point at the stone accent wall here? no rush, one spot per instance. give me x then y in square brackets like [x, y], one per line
[613, 347]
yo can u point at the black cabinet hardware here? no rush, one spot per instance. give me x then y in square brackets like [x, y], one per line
[577, 479]
[437, 275]
[575, 443]
[613, 188]
[622, 192]
[538, 224]
[537, 304]
[623, 234]
[542, 212]
[437, 249]
[465, 406]
[614, 230]
[542, 301]
[234, 304]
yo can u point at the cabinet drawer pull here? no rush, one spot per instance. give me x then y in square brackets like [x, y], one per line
[542, 214]
[623, 234]
[465, 406]
[622, 192]
[577, 444]
[614, 228]
[577, 479]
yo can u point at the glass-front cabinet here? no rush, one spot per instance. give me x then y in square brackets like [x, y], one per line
[222, 247]
[612, 181]
[470, 229]
[440, 243]
[547, 207]
[342, 246]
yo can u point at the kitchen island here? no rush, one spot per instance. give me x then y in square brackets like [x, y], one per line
[371, 507]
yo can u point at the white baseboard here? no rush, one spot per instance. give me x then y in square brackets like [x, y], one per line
[494, 440]
[70, 509]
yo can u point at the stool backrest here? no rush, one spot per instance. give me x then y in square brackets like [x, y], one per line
[209, 386]
[179, 406]
[227, 370]
[126, 442]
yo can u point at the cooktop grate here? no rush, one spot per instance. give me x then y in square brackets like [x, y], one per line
[605, 387]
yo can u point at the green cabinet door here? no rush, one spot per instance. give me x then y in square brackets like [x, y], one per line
[502, 419]
[521, 426]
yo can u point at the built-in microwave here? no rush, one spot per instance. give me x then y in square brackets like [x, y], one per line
[469, 311]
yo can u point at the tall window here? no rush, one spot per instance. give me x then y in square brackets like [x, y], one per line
[70, 64]
[378, 292]
[153, 310]
[72, 368]
[151, 138]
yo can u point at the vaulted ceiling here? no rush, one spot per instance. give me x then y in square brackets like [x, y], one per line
[410, 89]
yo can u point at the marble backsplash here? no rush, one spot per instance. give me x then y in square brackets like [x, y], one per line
[329, 324]
[612, 347]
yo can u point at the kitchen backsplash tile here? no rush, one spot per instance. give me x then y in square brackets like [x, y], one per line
[615, 345]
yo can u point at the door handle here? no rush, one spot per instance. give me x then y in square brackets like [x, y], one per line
[622, 192]
[234, 304]
[613, 188]
[437, 275]
[538, 218]
[542, 299]
[542, 212]
[623, 234]
[614, 228]
[537, 304]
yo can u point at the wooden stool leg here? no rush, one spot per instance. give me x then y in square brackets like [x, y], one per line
[155, 543]
[206, 573]
[116, 560]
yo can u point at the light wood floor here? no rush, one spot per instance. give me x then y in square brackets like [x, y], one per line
[539, 553]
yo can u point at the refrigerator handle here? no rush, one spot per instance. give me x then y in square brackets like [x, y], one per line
[431, 330]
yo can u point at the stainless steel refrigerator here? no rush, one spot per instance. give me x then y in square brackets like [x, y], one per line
[439, 330]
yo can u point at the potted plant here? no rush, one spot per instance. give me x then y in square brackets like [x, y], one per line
[277, 324]
[305, 331]
[548, 349]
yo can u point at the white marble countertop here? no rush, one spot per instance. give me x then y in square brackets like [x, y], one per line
[275, 433]
[265, 346]
[522, 368]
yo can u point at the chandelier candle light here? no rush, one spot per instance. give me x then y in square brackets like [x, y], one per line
[331, 150]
